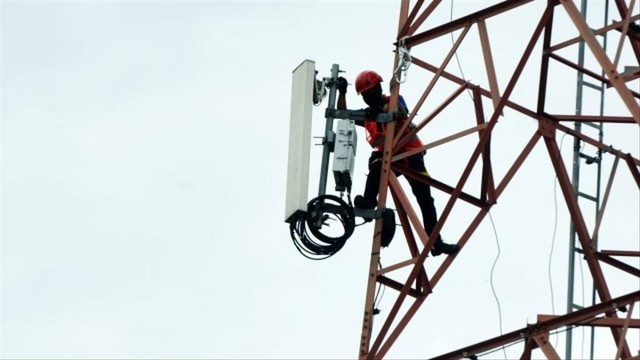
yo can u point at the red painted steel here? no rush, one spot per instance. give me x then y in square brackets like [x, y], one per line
[415, 288]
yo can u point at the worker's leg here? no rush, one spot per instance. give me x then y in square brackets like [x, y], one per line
[422, 193]
[373, 179]
[372, 186]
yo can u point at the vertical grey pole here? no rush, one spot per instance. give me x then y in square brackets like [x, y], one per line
[329, 136]
[576, 187]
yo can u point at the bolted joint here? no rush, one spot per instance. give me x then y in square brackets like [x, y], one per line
[547, 128]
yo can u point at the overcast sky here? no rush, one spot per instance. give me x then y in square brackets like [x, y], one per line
[144, 159]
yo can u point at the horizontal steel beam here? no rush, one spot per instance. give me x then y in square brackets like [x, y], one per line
[526, 332]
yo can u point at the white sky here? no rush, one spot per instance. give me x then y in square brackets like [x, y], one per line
[144, 156]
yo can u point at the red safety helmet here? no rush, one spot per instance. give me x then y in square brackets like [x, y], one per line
[367, 80]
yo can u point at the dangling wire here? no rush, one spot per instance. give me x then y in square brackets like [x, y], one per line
[400, 75]
[553, 241]
[379, 293]
[493, 289]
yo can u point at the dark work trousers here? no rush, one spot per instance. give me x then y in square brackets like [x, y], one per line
[421, 190]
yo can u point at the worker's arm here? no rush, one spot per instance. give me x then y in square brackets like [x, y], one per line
[342, 98]
[342, 93]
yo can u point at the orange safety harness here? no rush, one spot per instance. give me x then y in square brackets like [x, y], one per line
[376, 131]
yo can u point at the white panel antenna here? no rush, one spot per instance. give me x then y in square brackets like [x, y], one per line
[303, 83]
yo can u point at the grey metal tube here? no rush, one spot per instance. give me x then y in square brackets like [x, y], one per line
[329, 136]
[576, 186]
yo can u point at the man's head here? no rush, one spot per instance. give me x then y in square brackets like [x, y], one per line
[368, 85]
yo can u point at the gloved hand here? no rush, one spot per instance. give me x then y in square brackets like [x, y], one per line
[372, 112]
[342, 85]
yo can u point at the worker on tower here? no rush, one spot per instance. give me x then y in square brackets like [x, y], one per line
[368, 85]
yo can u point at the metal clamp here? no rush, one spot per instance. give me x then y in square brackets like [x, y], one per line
[403, 63]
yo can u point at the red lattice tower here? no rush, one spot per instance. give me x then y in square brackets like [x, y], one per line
[414, 289]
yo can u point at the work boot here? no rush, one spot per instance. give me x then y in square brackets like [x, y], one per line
[361, 203]
[440, 247]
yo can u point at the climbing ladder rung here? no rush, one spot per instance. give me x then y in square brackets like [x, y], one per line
[590, 159]
[587, 196]
[593, 86]
[577, 307]
[592, 124]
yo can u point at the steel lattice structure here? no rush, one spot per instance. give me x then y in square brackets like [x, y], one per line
[414, 289]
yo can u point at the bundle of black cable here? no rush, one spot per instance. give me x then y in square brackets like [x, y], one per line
[323, 230]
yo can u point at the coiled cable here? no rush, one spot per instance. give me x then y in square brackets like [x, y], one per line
[324, 228]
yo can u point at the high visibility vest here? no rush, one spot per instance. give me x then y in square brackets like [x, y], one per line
[376, 131]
